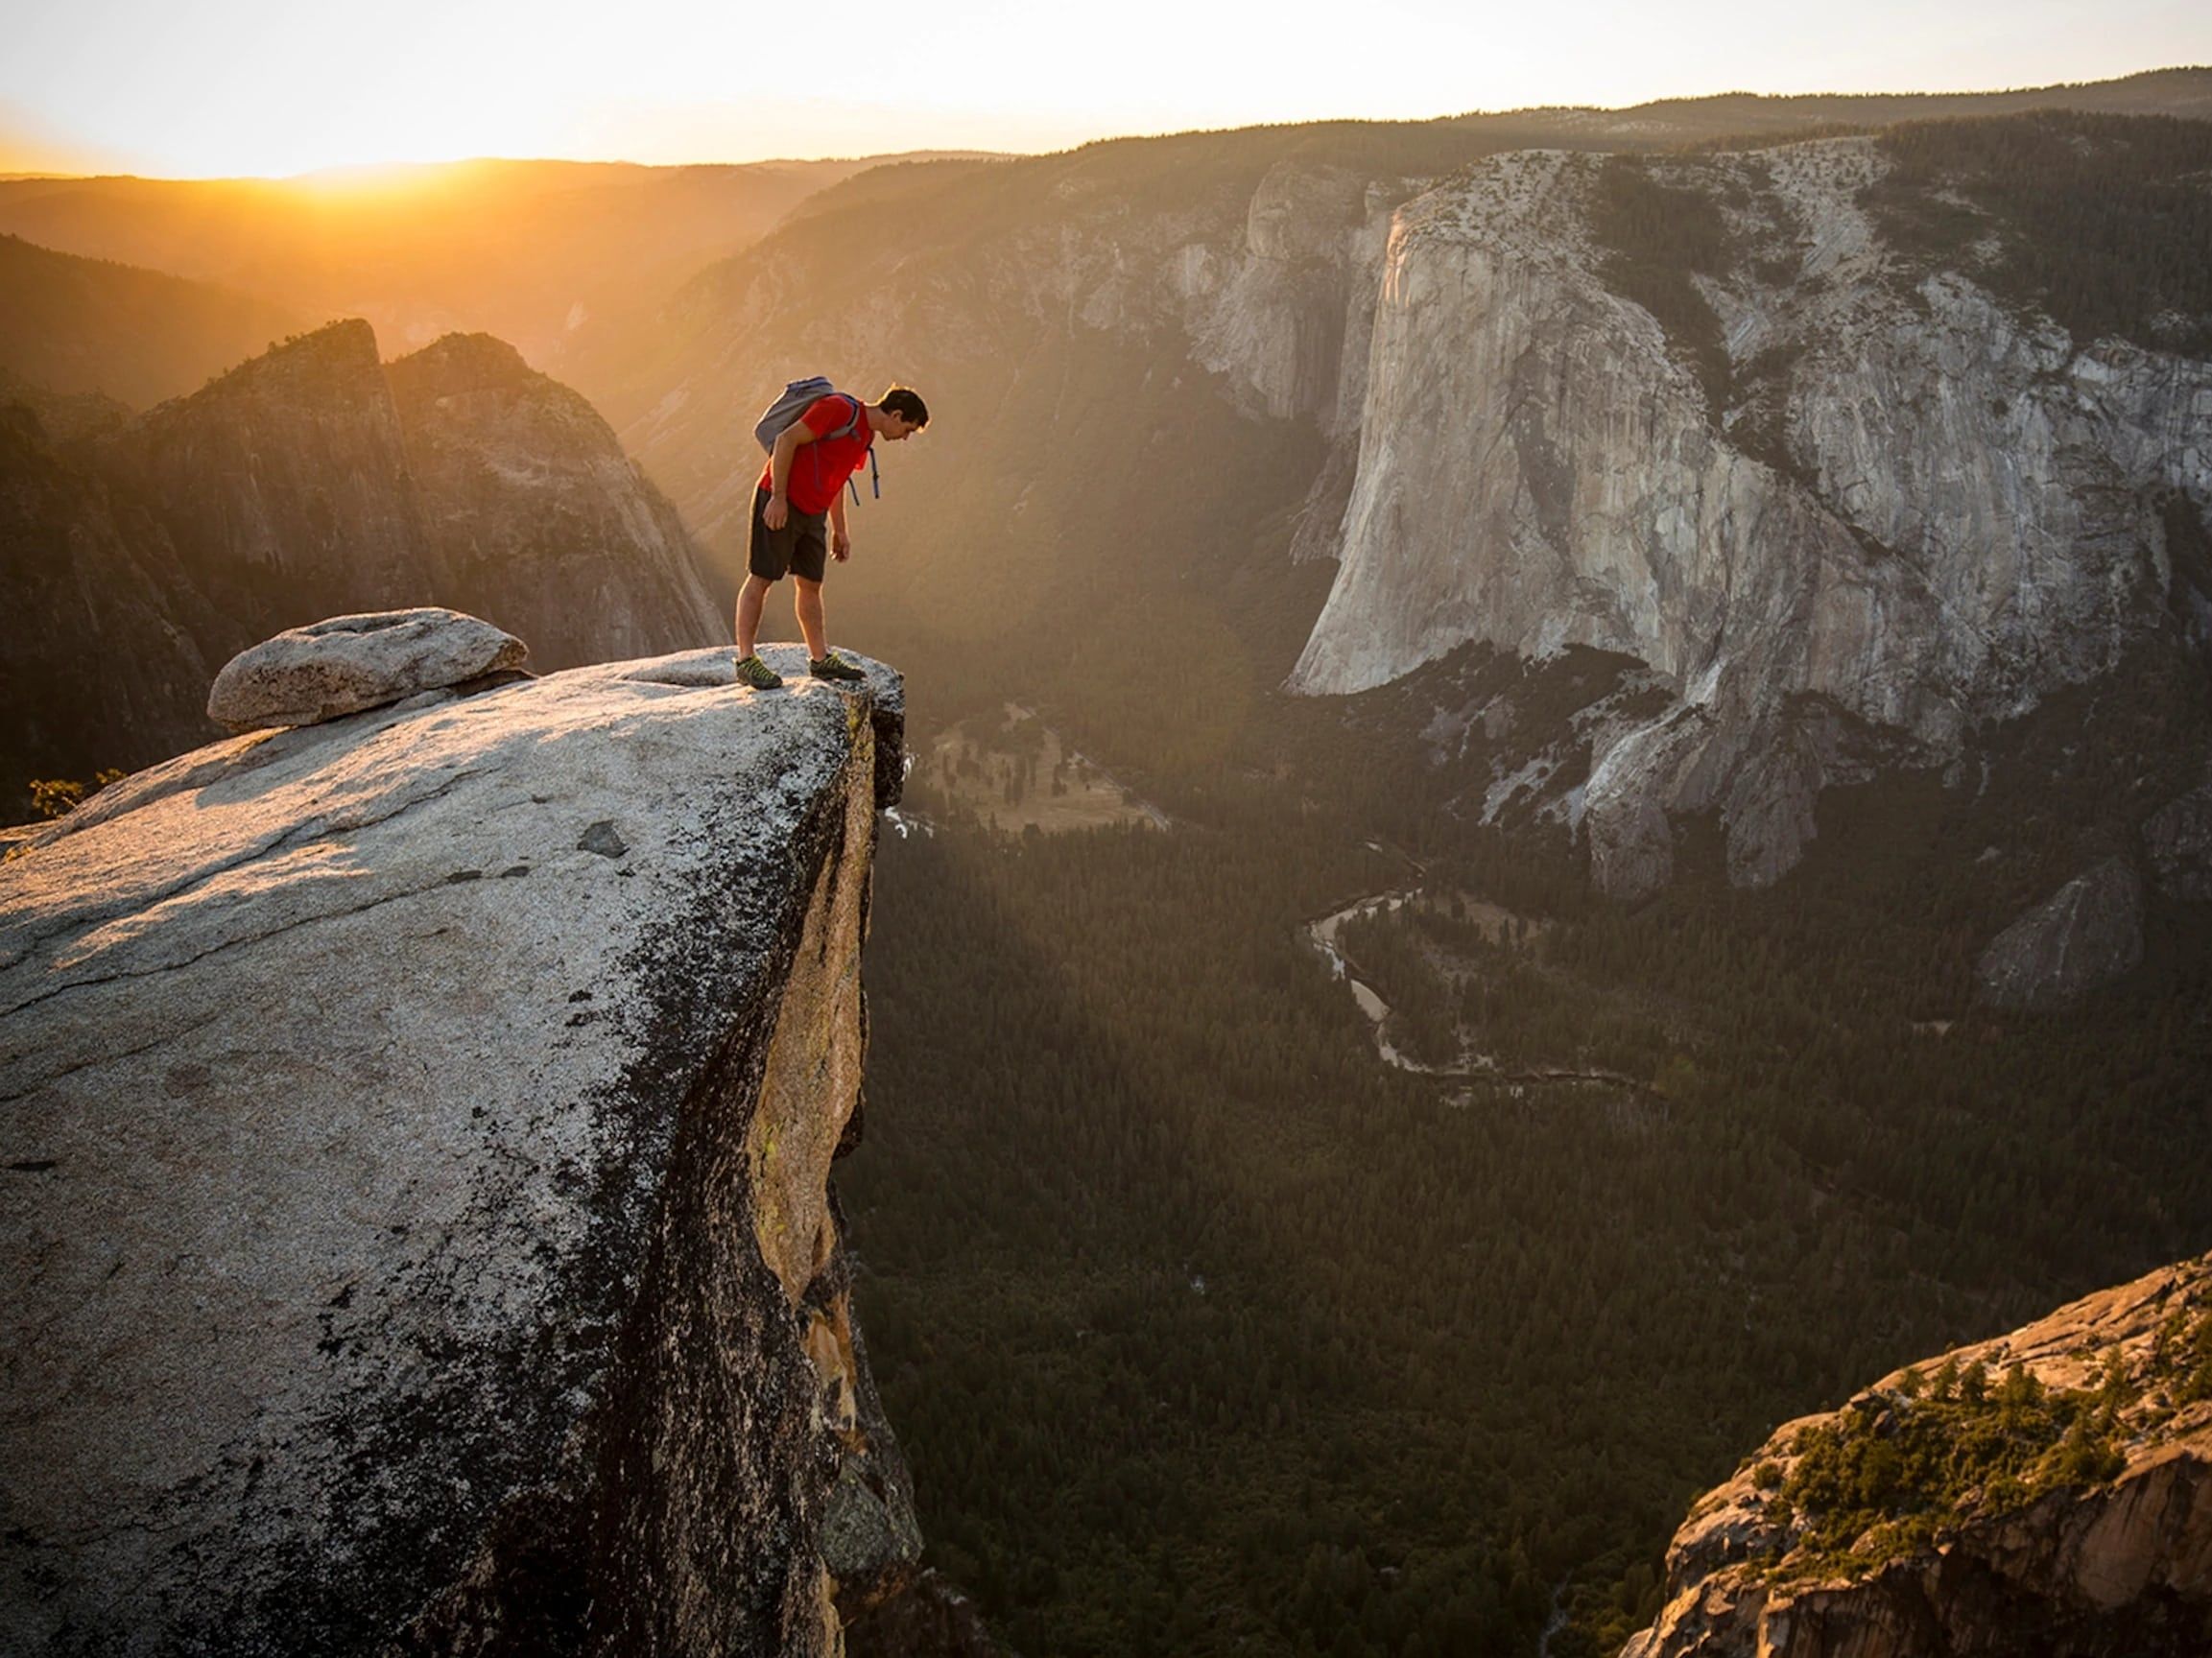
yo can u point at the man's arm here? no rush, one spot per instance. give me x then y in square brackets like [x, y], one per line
[787, 441]
[840, 543]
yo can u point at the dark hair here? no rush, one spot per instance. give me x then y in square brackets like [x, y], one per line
[905, 401]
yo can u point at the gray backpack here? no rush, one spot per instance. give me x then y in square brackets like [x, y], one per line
[795, 400]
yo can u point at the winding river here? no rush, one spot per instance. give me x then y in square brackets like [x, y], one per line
[1472, 1066]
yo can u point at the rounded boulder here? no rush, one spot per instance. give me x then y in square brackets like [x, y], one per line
[346, 664]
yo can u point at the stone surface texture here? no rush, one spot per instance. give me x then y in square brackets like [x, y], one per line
[417, 1201]
[348, 663]
[931, 1619]
[1919, 510]
[2079, 939]
[2122, 1569]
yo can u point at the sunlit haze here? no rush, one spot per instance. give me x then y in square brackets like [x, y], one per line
[256, 87]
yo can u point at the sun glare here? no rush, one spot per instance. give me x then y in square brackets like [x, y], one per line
[252, 88]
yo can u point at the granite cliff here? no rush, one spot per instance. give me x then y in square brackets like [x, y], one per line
[1848, 507]
[2046, 1492]
[310, 481]
[1781, 432]
[417, 1196]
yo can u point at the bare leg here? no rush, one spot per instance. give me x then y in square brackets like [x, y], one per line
[807, 603]
[750, 599]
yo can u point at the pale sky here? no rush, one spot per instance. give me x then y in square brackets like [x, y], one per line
[198, 88]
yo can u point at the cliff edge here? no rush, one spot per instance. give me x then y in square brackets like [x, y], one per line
[415, 1193]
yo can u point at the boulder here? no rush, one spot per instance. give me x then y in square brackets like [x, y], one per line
[341, 666]
[417, 1215]
[2079, 939]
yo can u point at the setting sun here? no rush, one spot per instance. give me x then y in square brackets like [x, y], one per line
[249, 87]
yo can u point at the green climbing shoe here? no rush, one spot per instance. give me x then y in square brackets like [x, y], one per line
[753, 672]
[833, 666]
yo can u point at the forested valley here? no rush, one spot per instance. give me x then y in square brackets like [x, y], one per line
[1207, 1331]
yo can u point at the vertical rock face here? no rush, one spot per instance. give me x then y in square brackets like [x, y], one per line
[2079, 939]
[2178, 839]
[105, 665]
[532, 509]
[283, 485]
[1910, 511]
[1276, 313]
[416, 1202]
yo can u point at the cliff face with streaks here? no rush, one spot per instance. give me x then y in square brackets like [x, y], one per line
[1848, 508]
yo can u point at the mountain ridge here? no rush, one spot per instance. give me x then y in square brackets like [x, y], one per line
[301, 484]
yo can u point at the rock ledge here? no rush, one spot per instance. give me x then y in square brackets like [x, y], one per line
[417, 1212]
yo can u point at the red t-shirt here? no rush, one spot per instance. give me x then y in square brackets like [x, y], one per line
[820, 468]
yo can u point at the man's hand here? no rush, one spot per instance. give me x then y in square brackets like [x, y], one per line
[841, 546]
[777, 513]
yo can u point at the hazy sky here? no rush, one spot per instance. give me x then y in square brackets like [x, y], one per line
[279, 86]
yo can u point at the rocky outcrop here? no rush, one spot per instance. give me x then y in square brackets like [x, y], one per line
[308, 675]
[532, 514]
[932, 1619]
[416, 1202]
[2079, 939]
[313, 482]
[2101, 1550]
[1880, 510]
[283, 486]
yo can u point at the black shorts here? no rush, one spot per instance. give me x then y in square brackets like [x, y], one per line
[801, 547]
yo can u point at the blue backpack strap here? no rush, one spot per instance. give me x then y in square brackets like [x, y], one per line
[874, 478]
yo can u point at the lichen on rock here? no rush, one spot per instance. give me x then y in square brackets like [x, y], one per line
[2048, 1492]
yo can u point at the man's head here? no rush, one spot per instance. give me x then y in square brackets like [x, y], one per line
[904, 414]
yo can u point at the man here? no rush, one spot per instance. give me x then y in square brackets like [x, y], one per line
[801, 488]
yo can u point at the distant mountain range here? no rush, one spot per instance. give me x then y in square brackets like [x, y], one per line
[76, 325]
[523, 250]
[310, 481]
[1850, 452]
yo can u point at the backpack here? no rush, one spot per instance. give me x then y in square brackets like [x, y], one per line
[795, 400]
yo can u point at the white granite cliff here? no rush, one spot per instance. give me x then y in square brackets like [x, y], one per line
[1917, 511]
